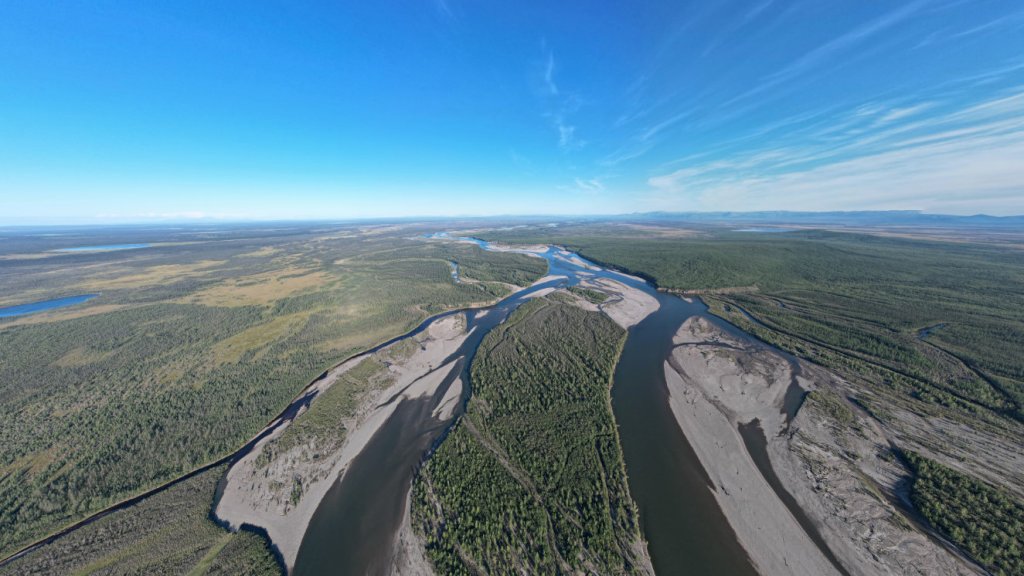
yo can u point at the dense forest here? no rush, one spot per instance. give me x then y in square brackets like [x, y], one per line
[532, 480]
[945, 320]
[984, 521]
[168, 533]
[192, 347]
[928, 328]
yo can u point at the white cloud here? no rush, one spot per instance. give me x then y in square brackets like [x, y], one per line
[905, 112]
[559, 107]
[666, 123]
[824, 53]
[626, 153]
[990, 25]
[965, 161]
[549, 75]
[567, 139]
[592, 185]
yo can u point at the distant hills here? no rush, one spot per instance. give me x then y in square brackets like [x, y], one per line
[904, 218]
[854, 218]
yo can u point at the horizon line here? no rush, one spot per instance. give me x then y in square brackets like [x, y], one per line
[725, 214]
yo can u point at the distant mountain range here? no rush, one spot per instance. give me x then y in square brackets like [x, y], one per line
[856, 218]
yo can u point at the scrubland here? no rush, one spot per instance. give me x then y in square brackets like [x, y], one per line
[192, 346]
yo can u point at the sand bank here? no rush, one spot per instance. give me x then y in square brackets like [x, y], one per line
[627, 306]
[828, 471]
[259, 487]
[410, 555]
[711, 391]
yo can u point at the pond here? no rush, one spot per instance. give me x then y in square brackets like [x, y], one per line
[33, 307]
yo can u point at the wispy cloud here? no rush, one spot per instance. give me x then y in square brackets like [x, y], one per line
[666, 123]
[626, 153]
[565, 134]
[549, 75]
[757, 10]
[715, 108]
[905, 112]
[592, 185]
[827, 51]
[560, 105]
[942, 162]
[1004, 21]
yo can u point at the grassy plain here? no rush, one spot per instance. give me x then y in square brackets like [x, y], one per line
[193, 345]
[532, 479]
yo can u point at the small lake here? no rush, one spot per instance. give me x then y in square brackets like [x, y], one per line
[104, 248]
[33, 307]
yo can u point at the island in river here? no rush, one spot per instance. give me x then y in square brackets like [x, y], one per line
[693, 518]
[717, 452]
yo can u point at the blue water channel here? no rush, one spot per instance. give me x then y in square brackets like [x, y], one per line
[33, 307]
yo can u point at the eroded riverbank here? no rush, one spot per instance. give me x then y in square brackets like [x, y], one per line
[356, 522]
[803, 488]
[705, 503]
[694, 520]
[356, 528]
[280, 483]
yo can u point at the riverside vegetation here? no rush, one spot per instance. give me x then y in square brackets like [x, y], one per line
[167, 533]
[983, 520]
[926, 330]
[192, 346]
[531, 479]
[195, 343]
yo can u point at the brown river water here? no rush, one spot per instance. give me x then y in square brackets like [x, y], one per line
[353, 530]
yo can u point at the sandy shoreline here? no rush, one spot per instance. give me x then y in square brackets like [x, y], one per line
[627, 306]
[711, 392]
[253, 494]
[410, 553]
[258, 493]
[717, 383]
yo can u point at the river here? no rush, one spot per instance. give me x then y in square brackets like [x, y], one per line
[353, 530]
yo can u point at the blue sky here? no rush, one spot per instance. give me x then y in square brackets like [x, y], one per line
[114, 111]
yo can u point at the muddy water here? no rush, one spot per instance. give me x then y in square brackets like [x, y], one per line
[353, 530]
[367, 506]
[686, 531]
